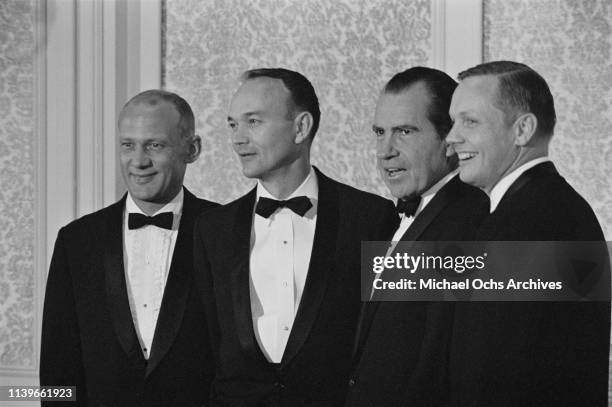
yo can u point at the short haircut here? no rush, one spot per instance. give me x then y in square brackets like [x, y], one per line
[521, 90]
[153, 97]
[440, 87]
[301, 90]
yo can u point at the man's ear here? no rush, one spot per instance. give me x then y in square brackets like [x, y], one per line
[194, 149]
[525, 127]
[303, 124]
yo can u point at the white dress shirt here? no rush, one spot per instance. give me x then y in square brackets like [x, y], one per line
[499, 190]
[147, 255]
[281, 246]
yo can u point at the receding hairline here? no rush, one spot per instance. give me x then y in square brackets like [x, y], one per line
[155, 99]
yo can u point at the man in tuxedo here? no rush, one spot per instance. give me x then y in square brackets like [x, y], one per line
[279, 267]
[121, 319]
[530, 353]
[402, 348]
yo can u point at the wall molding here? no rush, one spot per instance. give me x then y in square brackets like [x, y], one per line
[98, 55]
[457, 41]
[90, 56]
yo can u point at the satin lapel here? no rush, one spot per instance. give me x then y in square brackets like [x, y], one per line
[116, 288]
[321, 262]
[177, 287]
[431, 211]
[239, 275]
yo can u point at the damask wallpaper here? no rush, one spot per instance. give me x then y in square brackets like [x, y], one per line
[347, 48]
[17, 324]
[569, 43]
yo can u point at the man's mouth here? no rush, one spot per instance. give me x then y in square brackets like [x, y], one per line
[394, 172]
[465, 156]
[142, 179]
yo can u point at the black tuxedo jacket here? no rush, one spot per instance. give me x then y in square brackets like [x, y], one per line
[316, 361]
[402, 353]
[88, 336]
[533, 353]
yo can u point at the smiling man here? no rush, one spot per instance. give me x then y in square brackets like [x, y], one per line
[527, 354]
[279, 267]
[121, 320]
[402, 350]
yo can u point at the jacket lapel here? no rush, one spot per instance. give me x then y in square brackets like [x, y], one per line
[414, 232]
[177, 287]
[116, 288]
[321, 261]
[431, 211]
[489, 229]
[239, 276]
[546, 167]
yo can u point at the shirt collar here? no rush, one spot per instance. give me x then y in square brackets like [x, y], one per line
[499, 190]
[175, 205]
[308, 188]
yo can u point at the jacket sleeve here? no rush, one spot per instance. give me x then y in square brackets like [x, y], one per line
[60, 355]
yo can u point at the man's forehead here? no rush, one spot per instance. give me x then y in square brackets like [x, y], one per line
[144, 110]
[410, 103]
[481, 85]
[146, 119]
[260, 94]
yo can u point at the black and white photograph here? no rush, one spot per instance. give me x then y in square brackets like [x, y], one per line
[191, 191]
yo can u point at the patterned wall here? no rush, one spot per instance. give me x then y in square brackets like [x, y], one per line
[569, 42]
[347, 48]
[17, 325]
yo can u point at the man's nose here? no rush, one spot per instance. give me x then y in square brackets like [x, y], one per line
[453, 136]
[239, 135]
[140, 158]
[385, 148]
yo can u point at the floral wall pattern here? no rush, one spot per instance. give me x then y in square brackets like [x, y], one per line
[347, 48]
[17, 138]
[569, 43]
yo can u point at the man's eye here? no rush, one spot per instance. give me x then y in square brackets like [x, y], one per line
[469, 122]
[405, 132]
[378, 132]
[253, 122]
[155, 146]
[126, 146]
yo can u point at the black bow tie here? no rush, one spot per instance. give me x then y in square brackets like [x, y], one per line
[408, 206]
[162, 220]
[266, 206]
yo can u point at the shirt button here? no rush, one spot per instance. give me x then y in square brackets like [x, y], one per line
[284, 242]
[285, 284]
[285, 328]
[351, 382]
[145, 305]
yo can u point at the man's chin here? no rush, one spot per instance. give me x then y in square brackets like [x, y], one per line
[468, 178]
[251, 173]
[142, 194]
